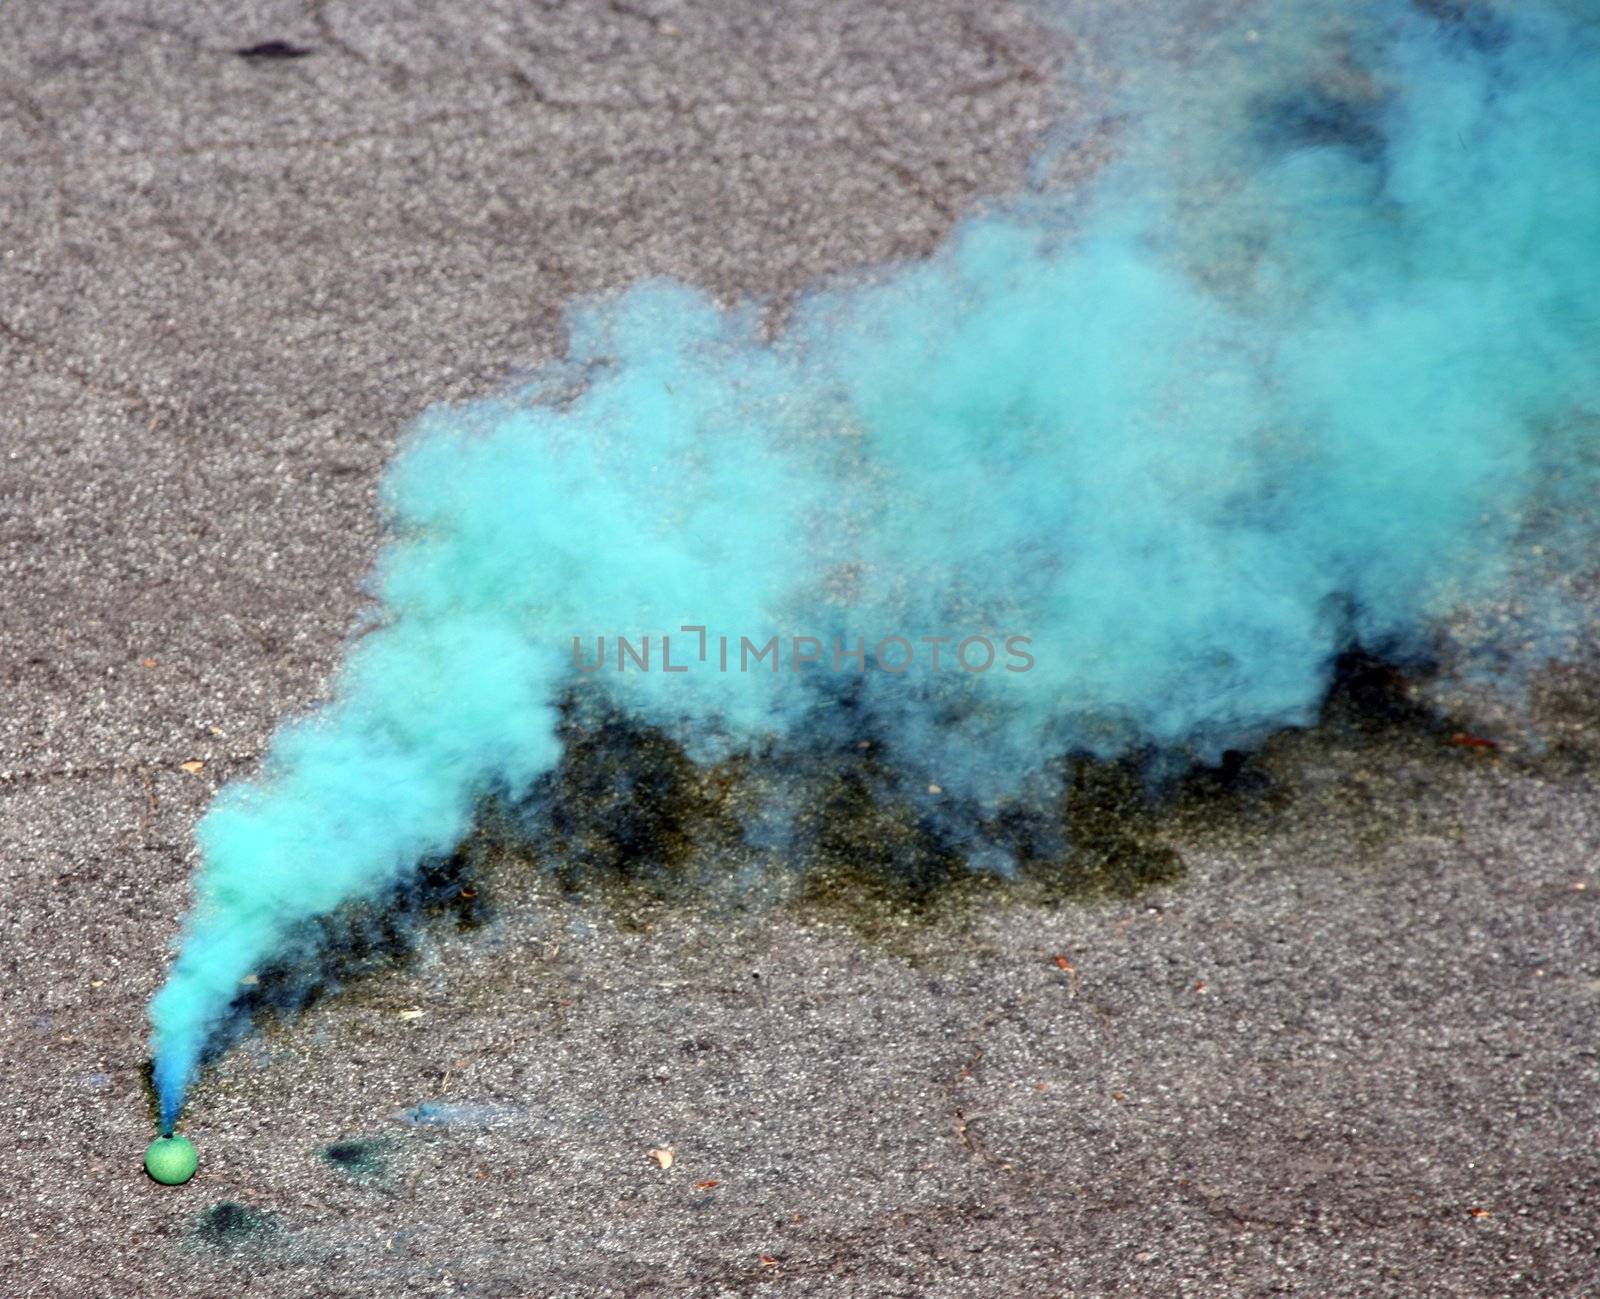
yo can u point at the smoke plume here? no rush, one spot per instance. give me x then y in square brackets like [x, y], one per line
[1314, 365]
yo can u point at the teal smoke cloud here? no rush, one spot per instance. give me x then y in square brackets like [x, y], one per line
[1315, 365]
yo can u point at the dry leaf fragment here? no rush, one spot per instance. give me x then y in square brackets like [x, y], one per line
[708, 1184]
[194, 766]
[766, 1260]
[1070, 970]
[663, 1156]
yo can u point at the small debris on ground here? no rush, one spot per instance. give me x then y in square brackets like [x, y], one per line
[273, 50]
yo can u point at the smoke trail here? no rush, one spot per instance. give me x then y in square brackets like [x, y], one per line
[1316, 367]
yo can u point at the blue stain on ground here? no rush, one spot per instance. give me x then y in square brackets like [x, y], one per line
[459, 1114]
[229, 1226]
[1311, 371]
[361, 1159]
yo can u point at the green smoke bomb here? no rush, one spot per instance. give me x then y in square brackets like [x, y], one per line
[171, 1160]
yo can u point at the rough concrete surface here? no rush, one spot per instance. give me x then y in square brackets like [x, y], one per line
[1350, 1052]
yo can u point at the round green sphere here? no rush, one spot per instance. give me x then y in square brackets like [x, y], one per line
[171, 1160]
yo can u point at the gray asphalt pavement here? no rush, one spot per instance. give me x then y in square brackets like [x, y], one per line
[1349, 1050]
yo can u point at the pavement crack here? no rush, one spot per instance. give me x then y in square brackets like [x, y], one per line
[397, 74]
[1020, 70]
[122, 767]
[625, 10]
[959, 1114]
[1220, 1206]
[405, 131]
[531, 89]
[329, 35]
[60, 364]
